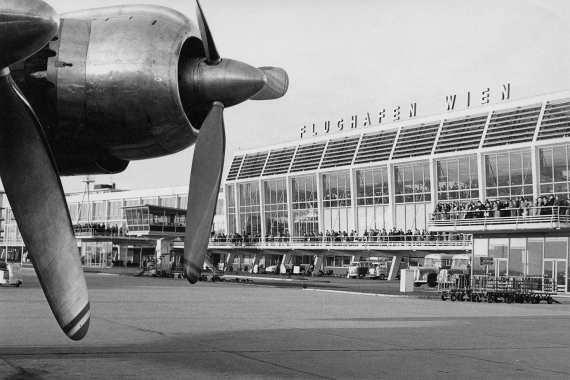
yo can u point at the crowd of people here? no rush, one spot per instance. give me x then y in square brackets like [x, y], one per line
[370, 235]
[508, 207]
[99, 229]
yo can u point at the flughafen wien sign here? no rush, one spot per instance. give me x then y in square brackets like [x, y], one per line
[395, 113]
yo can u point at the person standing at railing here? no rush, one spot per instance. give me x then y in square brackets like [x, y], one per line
[524, 207]
[514, 207]
[556, 205]
[544, 209]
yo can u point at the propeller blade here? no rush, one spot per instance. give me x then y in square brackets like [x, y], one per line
[212, 56]
[205, 178]
[35, 193]
[276, 86]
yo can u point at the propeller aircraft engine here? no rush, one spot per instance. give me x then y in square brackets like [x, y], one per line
[87, 92]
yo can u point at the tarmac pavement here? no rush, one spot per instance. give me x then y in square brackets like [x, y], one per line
[155, 328]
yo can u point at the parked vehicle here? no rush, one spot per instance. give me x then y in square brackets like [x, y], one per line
[432, 265]
[460, 268]
[379, 271]
[358, 269]
[10, 274]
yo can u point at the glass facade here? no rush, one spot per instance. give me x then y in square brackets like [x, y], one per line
[372, 198]
[115, 211]
[304, 202]
[457, 179]
[336, 202]
[412, 190]
[97, 254]
[508, 174]
[276, 214]
[99, 211]
[232, 214]
[249, 209]
[168, 202]
[524, 256]
[554, 170]
[183, 201]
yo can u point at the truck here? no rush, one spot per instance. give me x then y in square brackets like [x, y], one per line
[428, 272]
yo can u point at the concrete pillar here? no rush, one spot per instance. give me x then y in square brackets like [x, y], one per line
[317, 264]
[286, 259]
[395, 268]
[163, 247]
[255, 261]
[229, 261]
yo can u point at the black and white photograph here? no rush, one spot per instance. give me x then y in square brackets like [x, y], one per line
[302, 189]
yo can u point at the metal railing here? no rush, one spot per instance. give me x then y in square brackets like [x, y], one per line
[383, 241]
[555, 216]
[98, 231]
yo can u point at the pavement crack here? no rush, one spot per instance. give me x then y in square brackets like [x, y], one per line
[22, 372]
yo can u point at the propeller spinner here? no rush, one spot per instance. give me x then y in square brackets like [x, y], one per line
[216, 83]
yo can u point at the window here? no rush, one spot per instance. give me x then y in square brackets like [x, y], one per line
[337, 215]
[508, 174]
[305, 207]
[412, 188]
[231, 201]
[372, 198]
[554, 171]
[457, 179]
[99, 211]
[276, 214]
[249, 209]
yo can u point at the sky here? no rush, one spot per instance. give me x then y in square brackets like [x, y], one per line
[353, 57]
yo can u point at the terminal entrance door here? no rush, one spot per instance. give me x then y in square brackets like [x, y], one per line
[556, 269]
[498, 268]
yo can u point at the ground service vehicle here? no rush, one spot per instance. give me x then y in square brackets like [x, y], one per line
[10, 274]
[433, 264]
[460, 266]
[379, 271]
[358, 269]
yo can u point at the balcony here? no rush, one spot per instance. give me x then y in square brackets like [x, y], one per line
[530, 219]
[435, 242]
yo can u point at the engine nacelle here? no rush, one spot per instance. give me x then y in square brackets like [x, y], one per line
[115, 72]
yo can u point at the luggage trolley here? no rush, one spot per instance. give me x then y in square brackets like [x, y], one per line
[499, 289]
[456, 288]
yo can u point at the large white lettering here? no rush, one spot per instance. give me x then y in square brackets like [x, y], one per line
[506, 91]
[381, 115]
[367, 121]
[354, 121]
[412, 110]
[450, 101]
[485, 96]
[397, 113]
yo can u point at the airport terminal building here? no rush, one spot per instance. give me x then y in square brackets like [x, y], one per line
[392, 177]
[396, 190]
[107, 235]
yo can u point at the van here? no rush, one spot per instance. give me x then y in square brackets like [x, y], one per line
[358, 269]
[379, 271]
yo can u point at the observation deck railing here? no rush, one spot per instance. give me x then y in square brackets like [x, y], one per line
[545, 217]
[451, 241]
[97, 231]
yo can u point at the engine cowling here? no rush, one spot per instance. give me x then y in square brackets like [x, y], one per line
[116, 76]
[107, 87]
